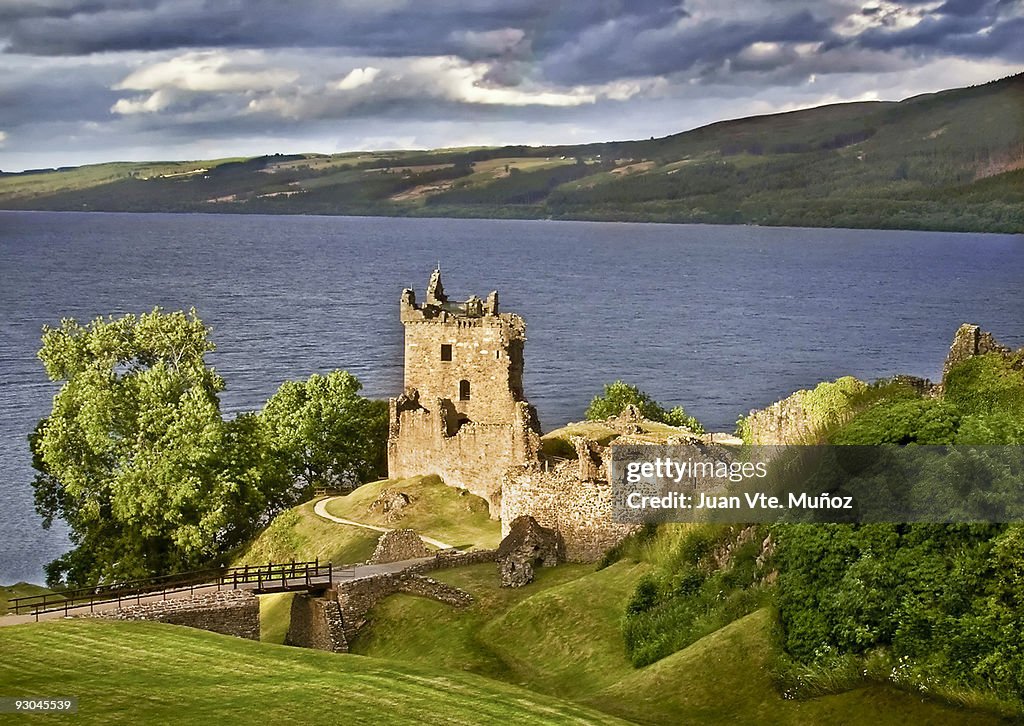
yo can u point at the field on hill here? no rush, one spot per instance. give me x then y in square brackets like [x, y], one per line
[561, 635]
[453, 516]
[450, 515]
[149, 673]
[951, 160]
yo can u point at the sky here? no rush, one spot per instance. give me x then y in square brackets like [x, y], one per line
[84, 81]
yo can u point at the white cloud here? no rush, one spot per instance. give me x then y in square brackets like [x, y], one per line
[357, 77]
[457, 80]
[209, 71]
[3, 138]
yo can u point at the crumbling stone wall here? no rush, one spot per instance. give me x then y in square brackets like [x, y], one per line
[474, 458]
[448, 558]
[357, 598]
[229, 612]
[527, 546]
[580, 510]
[463, 415]
[316, 622]
[969, 341]
[398, 545]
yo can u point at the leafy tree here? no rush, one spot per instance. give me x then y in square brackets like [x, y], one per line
[132, 454]
[619, 394]
[325, 433]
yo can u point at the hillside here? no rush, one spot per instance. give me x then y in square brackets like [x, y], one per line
[951, 160]
[453, 516]
[560, 635]
[149, 673]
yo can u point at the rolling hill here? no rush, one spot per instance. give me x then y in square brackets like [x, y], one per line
[952, 160]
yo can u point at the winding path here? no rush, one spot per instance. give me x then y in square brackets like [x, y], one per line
[320, 509]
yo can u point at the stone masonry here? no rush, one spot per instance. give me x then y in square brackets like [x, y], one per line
[316, 622]
[398, 545]
[229, 612]
[526, 547]
[463, 415]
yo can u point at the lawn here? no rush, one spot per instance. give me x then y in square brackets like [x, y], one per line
[150, 673]
[451, 515]
[299, 534]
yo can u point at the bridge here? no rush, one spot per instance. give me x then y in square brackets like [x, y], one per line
[311, 577]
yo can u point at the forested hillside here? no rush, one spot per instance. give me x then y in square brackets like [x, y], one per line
[952, 160]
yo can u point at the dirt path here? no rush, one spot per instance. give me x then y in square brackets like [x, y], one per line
[320, 509]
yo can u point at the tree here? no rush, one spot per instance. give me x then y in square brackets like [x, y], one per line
[325, 433]
[619, 394]
[135, 456]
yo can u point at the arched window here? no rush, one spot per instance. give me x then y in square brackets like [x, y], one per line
[463, 390]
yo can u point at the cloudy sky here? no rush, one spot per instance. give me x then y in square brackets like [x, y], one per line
[96, 80]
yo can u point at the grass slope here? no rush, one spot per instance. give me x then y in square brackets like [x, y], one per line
[149, 673]
[299, 534]
[951, 160]
[561, 636]
[451, 515]
[21, 589]
[724, 678]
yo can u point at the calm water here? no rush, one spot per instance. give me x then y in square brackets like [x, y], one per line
[719, 319]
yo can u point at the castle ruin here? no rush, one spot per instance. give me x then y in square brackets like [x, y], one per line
[463, 415]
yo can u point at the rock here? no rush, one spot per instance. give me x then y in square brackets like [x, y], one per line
[390, 503]
[527, 546]
[398, 545]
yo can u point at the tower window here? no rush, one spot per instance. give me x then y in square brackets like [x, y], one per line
[446, 351]
[463, 390]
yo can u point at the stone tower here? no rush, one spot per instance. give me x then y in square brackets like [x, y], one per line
[463, 415]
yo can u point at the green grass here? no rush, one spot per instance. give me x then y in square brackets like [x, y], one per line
[299, 534]
[427, 632]
[561, 636]
[149, 673]
[558, 442]
[453, 516]
[725, 678]
[21, 589]
[275, 616]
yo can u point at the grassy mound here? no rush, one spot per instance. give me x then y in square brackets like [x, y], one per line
[725, 678]
[427, 632]
[21, 589]
[561, 636]
[149, 673]
[299, 534]
[451, 515]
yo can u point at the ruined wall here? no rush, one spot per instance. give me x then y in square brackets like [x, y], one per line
[398, 545]
[229, 612]
[580, 510]
[474, 458]
[357, 598]
[969, 341]
[316, 622]
[802, 417]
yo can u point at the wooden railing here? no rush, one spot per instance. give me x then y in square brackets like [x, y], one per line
[271, 577]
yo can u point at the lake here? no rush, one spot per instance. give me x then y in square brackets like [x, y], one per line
[719, 319]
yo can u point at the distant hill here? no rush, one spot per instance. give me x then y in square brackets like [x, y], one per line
[952, 160]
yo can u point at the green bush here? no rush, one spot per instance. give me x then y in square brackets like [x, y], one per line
[619, 394]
